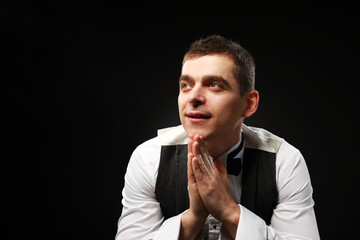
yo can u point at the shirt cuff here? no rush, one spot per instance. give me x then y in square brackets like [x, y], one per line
[250, 226]
[170, 229]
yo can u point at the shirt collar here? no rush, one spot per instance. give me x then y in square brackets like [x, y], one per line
[239, 155]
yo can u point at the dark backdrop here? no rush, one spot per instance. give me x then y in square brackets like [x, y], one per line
[84, 84]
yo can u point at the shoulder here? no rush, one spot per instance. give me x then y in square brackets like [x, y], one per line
[287, 156]
[172, 136]
[261, 139]
[149, 151]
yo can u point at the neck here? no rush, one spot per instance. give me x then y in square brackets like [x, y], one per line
[218, 145]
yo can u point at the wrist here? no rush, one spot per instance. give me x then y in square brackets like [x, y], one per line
[191, 224]
[230, 219]
[191, 218]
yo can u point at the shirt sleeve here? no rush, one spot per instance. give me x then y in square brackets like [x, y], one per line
[294, 216]
[141, 216]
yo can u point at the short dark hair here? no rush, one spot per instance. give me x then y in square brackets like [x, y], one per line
[244, 73]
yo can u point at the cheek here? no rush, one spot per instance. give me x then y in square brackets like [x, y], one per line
[181, 102]
[230, 109]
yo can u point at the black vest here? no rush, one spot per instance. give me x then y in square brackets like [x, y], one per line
[259, 192]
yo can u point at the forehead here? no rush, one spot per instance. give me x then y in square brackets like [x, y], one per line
[219, 65]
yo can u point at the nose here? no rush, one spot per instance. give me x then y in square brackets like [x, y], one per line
[197, 96]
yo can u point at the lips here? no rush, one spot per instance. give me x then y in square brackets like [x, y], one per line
[196, 116]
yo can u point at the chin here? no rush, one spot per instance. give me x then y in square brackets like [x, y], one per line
[202, 132]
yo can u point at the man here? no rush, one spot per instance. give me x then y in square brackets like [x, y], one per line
[213, 177]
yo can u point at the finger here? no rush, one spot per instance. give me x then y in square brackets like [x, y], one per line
[206, 156]
[221, 168]
[198, 175]
[222, 173]
[205, 160]
[191, 177]
[190, 143]
[201, 163]
[200, 151]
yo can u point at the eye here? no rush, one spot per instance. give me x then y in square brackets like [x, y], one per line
[214, 85]
[184, 86]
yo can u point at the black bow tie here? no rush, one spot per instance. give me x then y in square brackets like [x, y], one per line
[233, 165]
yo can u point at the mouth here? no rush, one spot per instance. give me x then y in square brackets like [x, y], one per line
[198, 117]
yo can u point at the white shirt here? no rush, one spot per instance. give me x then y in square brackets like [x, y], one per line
[293, 217]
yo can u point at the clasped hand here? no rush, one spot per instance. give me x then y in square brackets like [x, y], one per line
[208, 185]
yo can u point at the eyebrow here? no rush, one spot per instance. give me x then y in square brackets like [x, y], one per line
[215, 78]
[185, 77]
[206, 78]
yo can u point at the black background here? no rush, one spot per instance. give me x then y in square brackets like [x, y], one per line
[84, 84]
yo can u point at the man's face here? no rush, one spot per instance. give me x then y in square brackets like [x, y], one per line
[209, 100]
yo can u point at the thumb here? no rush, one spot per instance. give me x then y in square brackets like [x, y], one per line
[220, 167]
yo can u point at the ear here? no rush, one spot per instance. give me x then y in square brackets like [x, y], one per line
[252, 102]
